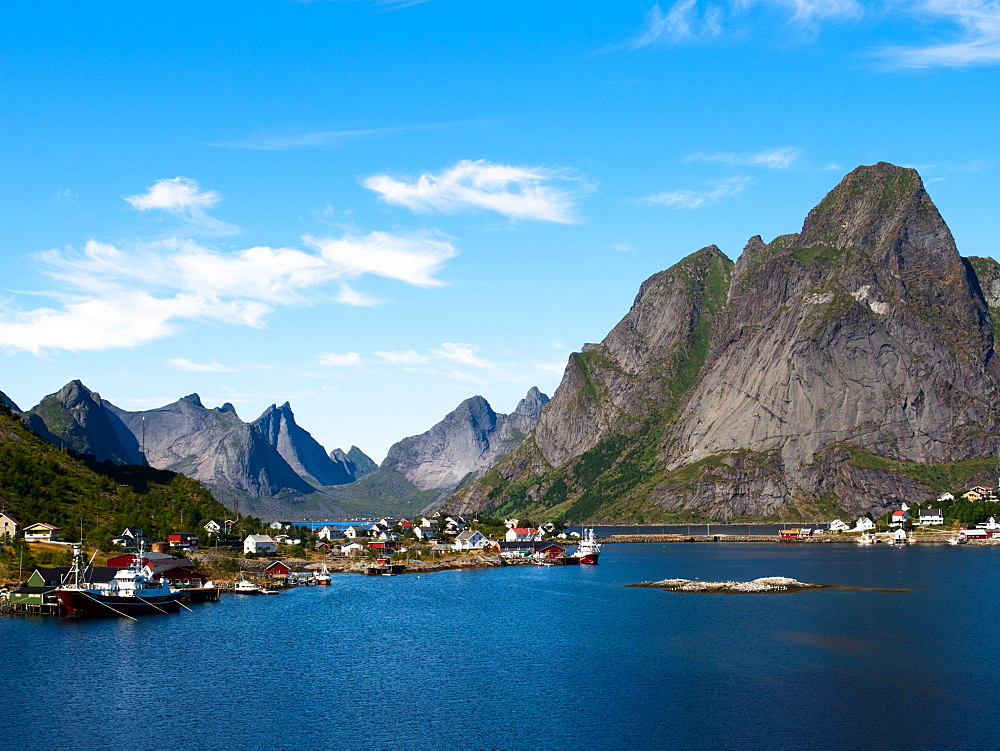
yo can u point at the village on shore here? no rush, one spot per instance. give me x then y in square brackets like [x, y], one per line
[220, 559]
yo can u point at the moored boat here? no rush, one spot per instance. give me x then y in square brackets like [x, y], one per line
[323, 577]
[589, 549]
[131, 592]
[244, 587]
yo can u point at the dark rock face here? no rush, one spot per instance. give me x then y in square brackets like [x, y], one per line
[824, 369]
[75, 418]
[8, 403]
[304, 454]
[465, 443]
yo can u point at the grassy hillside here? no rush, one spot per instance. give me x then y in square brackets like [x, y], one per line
[40, 483]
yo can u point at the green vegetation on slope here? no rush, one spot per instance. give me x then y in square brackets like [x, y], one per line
[40, 483]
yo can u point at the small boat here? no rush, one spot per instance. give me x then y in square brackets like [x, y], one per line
[266, 591]
[244, 587]
[867, 539]
[957, 541]
[132, 591]
[323, 577]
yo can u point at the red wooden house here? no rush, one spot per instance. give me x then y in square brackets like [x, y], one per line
[277, 570]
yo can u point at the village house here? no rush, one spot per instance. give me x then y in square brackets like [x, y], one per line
[511, 523]
[277, 526]
[353, 532]
[216, 526]
[352, 549]
[838, 525]
[329, 532]
[899, 518]
[423, 534]
[978, 493]
[863, 524]
[178, 575]
[277, 570]
[183, 540]
[929, 516]
[148, 559]
[428, 522]
[521, 534]
[946, 497]
[383, 545]
[991, 523]
[259, 544]
[471, 539]
[41, 532]
[8, 525]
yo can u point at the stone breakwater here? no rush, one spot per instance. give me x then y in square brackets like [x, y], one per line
[757, 586]
[725, 538]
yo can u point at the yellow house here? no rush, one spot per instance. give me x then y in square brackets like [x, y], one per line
[973, 495]
[41, 532]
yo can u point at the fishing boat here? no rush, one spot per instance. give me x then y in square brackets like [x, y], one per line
[131, 592]
[867, 539]
[323, 577]
[588, 550]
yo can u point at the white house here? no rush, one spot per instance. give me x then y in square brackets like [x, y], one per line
[214, 526]
[990, 524]
[428, 522]
[899, 518]
[353, 532]
[352, 548]
[280, 525]
[946, 497]
[511, 523]
[423, 534]
[8, 525]
[329, 533]
[471, 539]
[863, 524]
[259, 544]
[838, 526]
[522, 534]
[929, 516]
[899, 535]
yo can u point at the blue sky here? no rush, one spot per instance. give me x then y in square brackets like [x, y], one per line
[375, 209]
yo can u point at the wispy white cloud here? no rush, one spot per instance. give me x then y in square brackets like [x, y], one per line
[318, 139]
[551, 367]
[404, 357]
[696, 199]
[974, 23]
[700, 20]
[184, 198]
[514, 192]
[557, 344]
[114, 297]
[684, 20]
[463, 354]
[622, 247]
[782, 158]
[345, 360]
[180, 363]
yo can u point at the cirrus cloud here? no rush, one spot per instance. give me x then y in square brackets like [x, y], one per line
[696, 199]
[514, 192]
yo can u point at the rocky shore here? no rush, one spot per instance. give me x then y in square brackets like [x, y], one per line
[818, 539]
[757, 586]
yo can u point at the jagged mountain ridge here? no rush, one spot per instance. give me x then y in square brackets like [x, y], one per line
[469, 439]
[839, 368]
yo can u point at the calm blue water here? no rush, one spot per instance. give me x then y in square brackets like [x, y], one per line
[527, 658]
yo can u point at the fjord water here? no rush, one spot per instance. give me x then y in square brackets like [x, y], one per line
[532, 657]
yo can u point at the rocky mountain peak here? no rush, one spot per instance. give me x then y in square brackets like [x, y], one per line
[884, 209]
[193, 399]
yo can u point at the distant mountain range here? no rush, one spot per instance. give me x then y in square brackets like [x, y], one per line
[272, 465]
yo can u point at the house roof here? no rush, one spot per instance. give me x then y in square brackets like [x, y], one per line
[277, 563]
[168, 567]
[259, 538]
[468, 535]
[55, 574]
[525, 530]
[41, 524]
[11, 517]
[929, 512]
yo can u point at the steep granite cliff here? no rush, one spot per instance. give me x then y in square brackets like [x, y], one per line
[837, 369]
